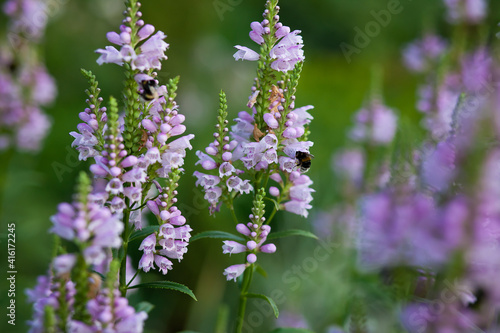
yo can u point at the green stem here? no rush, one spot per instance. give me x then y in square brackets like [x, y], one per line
[133, 278]
[270, 218]
[233, 214]
[247, 280]
[123, 263]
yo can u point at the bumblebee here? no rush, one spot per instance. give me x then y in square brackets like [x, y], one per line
[303, 160]
[149, 90]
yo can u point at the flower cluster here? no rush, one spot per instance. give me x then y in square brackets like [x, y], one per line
[27, 86]
[420, 55]
[91, 226]
[437, 212]
[22, 13]
[255, 233]
[49, 293]
[56, 302]
[173, 237]
[146, 56]
[257, 236]
[220, 156]
[90, 132]
[469, 11]
[375, 124]
[111, 312]
[287, 50]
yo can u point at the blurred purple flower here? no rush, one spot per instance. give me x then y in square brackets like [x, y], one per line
[420, 55]
[469, 11]
[375, 124]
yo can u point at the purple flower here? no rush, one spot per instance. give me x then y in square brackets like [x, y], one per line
[420, 55]
[146, 56]
[46, 293]
[148, 244]
[233, 247]
[63, 263]
[94, 228]
[287, 52]
[438, 166]
[244, 53]
[114, 313]
[232, 272]
[470, 11]
[375, 124]
[257, 32]
[477, 70]
[349, 164]
[146, 262]
[164, 265]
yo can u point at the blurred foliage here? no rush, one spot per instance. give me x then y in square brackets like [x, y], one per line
[201, 51]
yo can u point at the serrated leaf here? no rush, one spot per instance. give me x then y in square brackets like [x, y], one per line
[216, 234]
[144, 306]
[269, 300]
[166, 285]
[291, 330]
[146, 231]
[292, 232]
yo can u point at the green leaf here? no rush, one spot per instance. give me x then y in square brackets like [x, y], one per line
[216, 234]
[144, 306]
[291, 330]
[188, 332]
[143, 232]
[269, 300]
[292, 232]
[166, 285]
[260, 270]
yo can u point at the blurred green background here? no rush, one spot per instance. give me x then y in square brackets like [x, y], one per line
[201, 48]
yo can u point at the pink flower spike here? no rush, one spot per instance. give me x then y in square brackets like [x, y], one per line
[251, 245]
[115, 171]
[276, 177]
[233, 247]
[98, 170]
[178, 220]
[114, 38]
[164, 215]
[242, 229]
[163, 264]
[149, 125]
[133, 193]
[146, 262]
[129, 161]
[153, 207]
[268, 248]
[270, 120]
[251, 258]
[244, 53]
[148, 244]
[256, 33]
[146, 31]
[274, 191]
[114, 186]
[282, 31]
[232, 272]
[64, 263]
